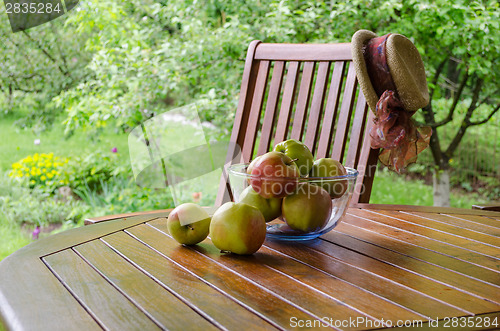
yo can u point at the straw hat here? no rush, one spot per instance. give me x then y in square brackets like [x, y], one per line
[389, 62]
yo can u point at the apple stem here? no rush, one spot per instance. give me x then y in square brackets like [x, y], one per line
[189, 226]
[293, 160]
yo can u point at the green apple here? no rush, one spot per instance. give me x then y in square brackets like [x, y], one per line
[188, 223]
[274, 175]
[309, 209]
[298, 152]
[327, 167]
[270, 208]
[238, 228]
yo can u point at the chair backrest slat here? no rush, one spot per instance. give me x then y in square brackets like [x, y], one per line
[287, 102]
[309, 92]
[271, 106]
[304, 52]
[356, 134]
[255, 110]
[344, 120]
[316, 111]
[303, 100]
[332, 106]
[367, 165]
[246, 95]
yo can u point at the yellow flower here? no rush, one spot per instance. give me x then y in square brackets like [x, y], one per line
[32, 182]
[43, 178]
[44, 170]
[16, 165]
[50, 175]
[20, 175]
[36, 157]
[33, 172]
[38, 172]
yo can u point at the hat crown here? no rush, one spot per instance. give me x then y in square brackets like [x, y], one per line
[405, 66]
[407, 71]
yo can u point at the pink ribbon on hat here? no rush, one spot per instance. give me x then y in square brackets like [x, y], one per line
[393, 129]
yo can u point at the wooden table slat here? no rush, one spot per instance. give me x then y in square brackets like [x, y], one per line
[429, 287]
[377, 223]
[420, 253]
[107, 305]
[482, 219]
[162, 306]
[462, 223]
[448, 232]
[17, 310]
[265, 302]
[193, 288]
[280, 274]
[416, 265]
[384, 287]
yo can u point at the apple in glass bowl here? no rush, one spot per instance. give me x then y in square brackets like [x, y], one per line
[309, 209]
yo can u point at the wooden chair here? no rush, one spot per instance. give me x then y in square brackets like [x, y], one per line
[310, 93]
[307, 92]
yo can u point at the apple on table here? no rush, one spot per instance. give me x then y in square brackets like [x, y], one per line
[188, 223]
[238, 228]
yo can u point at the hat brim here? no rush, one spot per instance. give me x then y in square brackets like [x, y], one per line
[358, 42]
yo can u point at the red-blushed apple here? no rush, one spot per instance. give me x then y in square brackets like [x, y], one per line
[238, 228]
[270, 208]
[327, 167]
[252, 164]
[250, 167]
[298, 152]
[188, 223]
[274, 175]
[308, 209]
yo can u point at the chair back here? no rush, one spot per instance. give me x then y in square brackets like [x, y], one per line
[307, 92]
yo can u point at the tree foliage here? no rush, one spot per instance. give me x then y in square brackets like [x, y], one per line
[37, 65]
[135, 59]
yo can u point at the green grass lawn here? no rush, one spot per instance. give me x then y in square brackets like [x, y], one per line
[16, 143]
[391, 188]
[11, 238]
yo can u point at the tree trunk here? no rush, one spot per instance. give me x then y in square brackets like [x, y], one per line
[441, 184]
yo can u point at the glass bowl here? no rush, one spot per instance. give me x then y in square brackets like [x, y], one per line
[307, 209]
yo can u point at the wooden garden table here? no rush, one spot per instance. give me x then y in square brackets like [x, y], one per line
[382, 264]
